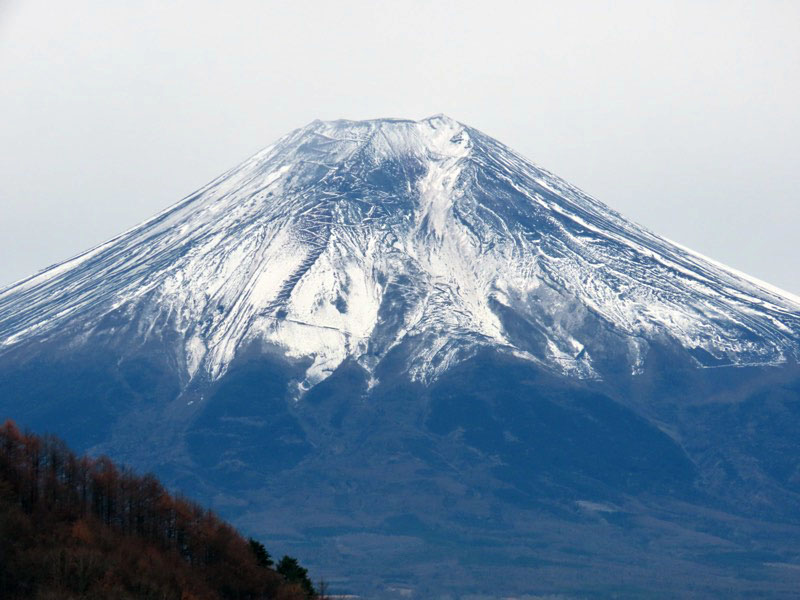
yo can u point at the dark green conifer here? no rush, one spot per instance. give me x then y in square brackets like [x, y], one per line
[260, 552]
[294, 573]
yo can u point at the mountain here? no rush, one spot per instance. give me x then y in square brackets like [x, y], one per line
[413, 355]
[345, 239]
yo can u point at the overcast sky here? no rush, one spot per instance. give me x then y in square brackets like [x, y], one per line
[683, 116]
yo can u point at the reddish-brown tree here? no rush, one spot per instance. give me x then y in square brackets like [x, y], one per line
[76, 527]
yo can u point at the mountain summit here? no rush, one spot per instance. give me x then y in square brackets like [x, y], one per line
[401, 351]
[348, 239]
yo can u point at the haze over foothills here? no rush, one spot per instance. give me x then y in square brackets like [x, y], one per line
[680, 115]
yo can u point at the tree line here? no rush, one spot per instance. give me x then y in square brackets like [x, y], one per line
[80, 527]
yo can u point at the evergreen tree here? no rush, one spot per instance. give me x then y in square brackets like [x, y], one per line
[294, 573]
[263, 559]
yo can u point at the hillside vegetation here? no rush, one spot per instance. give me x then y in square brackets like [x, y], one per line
[79, 527]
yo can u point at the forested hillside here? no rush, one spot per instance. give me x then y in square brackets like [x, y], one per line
[80, 527]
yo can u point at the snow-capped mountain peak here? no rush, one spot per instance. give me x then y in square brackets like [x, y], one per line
[353, 239]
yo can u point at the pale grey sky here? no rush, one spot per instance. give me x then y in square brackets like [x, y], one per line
[681, 115]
